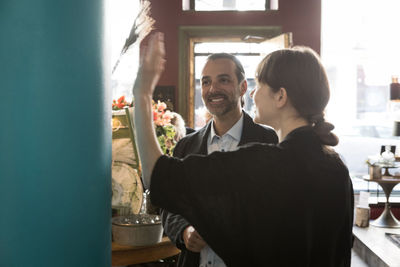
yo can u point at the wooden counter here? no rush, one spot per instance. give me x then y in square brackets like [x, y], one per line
[125, 255]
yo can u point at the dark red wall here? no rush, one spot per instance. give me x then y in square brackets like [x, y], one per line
[302, 18]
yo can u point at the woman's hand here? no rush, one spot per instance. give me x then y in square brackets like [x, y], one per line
[151, 66]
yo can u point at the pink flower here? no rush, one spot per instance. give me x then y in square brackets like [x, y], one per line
[161, 106]
[159, 121]
[161, 116]
[166, 117]
[155, 115]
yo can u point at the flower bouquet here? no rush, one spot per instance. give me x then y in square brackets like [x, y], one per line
[121, 103]
[165, 131]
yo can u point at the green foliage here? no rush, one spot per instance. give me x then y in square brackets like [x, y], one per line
[165, 136]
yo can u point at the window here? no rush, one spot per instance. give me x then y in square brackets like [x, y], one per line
[360, 53]
[121, 15]
[229, 5]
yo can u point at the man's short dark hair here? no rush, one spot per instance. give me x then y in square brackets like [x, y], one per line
[239, 67]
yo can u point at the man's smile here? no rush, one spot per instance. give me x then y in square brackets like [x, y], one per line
[216, 99]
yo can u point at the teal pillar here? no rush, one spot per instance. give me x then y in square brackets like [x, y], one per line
[55, 136]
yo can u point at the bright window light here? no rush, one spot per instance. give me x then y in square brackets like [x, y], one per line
[360, 51]
[218, 5]
[121, 15]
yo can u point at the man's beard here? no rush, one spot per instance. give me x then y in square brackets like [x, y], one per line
[226, 107]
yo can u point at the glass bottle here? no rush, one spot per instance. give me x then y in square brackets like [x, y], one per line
[144, 207]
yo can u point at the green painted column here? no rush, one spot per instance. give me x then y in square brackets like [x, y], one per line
[55, 137]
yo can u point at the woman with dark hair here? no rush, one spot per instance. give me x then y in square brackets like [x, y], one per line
[296, 75]
[289, 204]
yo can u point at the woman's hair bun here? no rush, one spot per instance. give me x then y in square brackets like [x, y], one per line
[323, 130]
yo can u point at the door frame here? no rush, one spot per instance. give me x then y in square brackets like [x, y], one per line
[188, 36]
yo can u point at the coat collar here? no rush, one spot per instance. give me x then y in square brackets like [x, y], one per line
[203, 133]
[247, 130]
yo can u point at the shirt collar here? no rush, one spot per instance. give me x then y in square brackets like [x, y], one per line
[235, 131]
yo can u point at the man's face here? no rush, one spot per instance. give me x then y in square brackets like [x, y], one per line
[220, 89]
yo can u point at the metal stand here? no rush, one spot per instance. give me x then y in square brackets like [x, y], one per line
[386, 219]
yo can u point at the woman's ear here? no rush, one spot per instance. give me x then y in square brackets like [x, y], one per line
[281, 97]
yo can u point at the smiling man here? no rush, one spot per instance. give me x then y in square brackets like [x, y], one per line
[223, 85]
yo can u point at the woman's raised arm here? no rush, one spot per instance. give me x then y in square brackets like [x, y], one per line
[150, 70]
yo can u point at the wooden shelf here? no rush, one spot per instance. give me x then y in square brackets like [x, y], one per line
[126, 255]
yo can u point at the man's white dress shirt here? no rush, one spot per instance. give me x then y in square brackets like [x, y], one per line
[228, 142]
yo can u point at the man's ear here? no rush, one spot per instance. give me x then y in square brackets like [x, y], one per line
[281, 97]
[243, 87]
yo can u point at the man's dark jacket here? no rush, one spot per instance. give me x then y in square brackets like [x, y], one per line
[196, 143]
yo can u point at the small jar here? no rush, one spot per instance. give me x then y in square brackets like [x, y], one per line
[375, 172]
